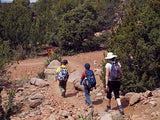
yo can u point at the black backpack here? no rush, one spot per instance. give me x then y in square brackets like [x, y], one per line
[90, 79]
[115, 73]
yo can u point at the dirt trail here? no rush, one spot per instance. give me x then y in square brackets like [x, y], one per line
[77, 62]
[27, 68]
[30, 67]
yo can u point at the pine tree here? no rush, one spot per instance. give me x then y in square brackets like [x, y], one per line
[137, 43]
[16, 19]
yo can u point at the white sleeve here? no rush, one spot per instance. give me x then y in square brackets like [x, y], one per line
[107, 66]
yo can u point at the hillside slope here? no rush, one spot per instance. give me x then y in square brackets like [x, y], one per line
[73, 104]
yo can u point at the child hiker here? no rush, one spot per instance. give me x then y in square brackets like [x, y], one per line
[88, 80]
[62, 76]
[113, 77]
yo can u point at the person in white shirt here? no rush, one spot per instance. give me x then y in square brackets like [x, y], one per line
[113, 76]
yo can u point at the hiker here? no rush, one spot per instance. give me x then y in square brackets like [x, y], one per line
[113, 77]
[62, 76]
[88, 80]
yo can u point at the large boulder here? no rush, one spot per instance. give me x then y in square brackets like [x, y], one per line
[38, 82]
[78, 86]
[134, 99]
[50, 74]
[129, 95]
[75, 76]
[50, 71]
[54, 64]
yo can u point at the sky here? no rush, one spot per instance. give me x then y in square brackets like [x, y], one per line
[7, 1]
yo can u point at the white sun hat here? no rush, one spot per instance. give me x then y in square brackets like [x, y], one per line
[110, 55]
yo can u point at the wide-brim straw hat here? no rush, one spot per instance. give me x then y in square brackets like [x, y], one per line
[110, 55]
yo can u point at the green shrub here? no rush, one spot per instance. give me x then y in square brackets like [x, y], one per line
[4, 54]
[19, 53]
[103, 73]
[137, 44]
[83, 117]
[11, 108]
[41, 75]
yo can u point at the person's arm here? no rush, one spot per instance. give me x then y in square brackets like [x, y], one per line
[57, 69]
[82, 78]
[120, 68]
[57, 72]
[107, 78]
[96, 82]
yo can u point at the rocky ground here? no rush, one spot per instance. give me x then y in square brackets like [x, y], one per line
[42, 101]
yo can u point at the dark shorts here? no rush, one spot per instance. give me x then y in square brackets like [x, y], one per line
[113, 86]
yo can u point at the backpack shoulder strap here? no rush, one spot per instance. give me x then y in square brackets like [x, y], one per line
[85, 73]
[111, 63]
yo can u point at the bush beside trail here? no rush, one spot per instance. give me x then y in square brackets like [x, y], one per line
[137, 44]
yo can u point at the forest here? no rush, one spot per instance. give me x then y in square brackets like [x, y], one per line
[25, 29]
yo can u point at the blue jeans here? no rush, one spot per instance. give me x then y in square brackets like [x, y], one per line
[87, 95]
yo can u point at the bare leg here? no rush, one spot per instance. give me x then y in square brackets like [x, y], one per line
[109, 102]
[120, 106]
[118, 101]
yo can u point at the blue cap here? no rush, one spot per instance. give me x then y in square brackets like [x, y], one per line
[87, 65]
[65, 61]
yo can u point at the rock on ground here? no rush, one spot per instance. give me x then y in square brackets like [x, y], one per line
[134, 99]
[35, 103]
[38, 82]
[37, 96]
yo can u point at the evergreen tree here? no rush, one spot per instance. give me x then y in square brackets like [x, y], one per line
[137, 44]
[4, 55]
[75, 26]
[16, 19]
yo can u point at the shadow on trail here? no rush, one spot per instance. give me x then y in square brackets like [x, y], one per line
[124, 102]
[71, 94]
[97, 102]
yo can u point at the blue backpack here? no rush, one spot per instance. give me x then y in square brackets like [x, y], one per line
[115, 73]
[90, 79]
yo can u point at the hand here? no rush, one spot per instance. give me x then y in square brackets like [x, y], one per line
[107, 88]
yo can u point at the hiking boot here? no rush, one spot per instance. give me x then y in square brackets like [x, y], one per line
[90, 106]
[121, 111]
[63, 94]
[86, 103]
[108, 108]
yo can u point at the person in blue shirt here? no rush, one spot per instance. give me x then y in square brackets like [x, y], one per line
[86, 88]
